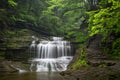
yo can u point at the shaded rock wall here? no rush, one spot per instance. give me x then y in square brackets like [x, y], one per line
[17, 54]
[15, 44]
[94, 48]
[100, 67]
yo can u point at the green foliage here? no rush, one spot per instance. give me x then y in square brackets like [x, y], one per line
[64, 18]
[81, 61]
[10, 33]
[65, 15]
[81, 37]
[17, 38]
[79, 64]
[12, 3]
[115, 52]
[105, 21]
[56, 17]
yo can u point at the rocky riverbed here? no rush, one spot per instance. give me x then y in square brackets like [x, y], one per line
[14, 66]
[107, 70]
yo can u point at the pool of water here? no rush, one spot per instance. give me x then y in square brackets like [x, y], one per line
[31, 76]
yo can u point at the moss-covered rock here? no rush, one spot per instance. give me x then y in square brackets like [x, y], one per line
[93, 73]
[79, 60]
[15, 44]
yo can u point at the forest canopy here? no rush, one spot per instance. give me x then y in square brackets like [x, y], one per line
[77, 20]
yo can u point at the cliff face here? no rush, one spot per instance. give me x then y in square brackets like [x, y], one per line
[15, 42]
[94, 48]
[91, 63]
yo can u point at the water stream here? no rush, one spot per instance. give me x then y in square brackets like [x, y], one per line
[51, 56]
[31, 76]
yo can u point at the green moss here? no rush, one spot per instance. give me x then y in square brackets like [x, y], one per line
[12, 2]
[2, 57]
[113, 53]
[2, 53]
[81, 61]
[18, 38]
[102, 66]
[79, 64]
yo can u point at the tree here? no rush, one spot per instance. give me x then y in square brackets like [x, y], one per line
[105, 21]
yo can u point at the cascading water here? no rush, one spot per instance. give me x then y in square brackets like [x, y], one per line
[51, 55]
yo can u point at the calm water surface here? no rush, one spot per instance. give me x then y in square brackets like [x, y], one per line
[31, 76]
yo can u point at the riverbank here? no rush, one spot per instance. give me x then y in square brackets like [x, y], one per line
[5, 67]
[100, 72]
[31, 76]
[14, 66]
[110, 70]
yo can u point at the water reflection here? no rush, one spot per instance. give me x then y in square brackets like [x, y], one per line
[49, 76]
[31, 76]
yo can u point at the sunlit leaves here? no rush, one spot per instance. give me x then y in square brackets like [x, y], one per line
[12, 3]
[106, 21]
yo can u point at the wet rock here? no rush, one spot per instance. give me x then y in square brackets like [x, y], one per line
[93, 73]
[1, 40]
[19, 54]
[5, 67]
[94, 48]
[97, 63]
[100, 67]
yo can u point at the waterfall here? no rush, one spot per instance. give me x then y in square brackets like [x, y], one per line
[32, 48]
[52, 55]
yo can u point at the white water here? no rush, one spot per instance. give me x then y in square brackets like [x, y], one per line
[33, 47]
[51, 55]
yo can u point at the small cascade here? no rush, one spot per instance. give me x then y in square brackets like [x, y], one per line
[52, 55]
[32, 46]
[33, 49]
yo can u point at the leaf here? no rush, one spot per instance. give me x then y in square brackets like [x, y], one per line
[12, 3]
